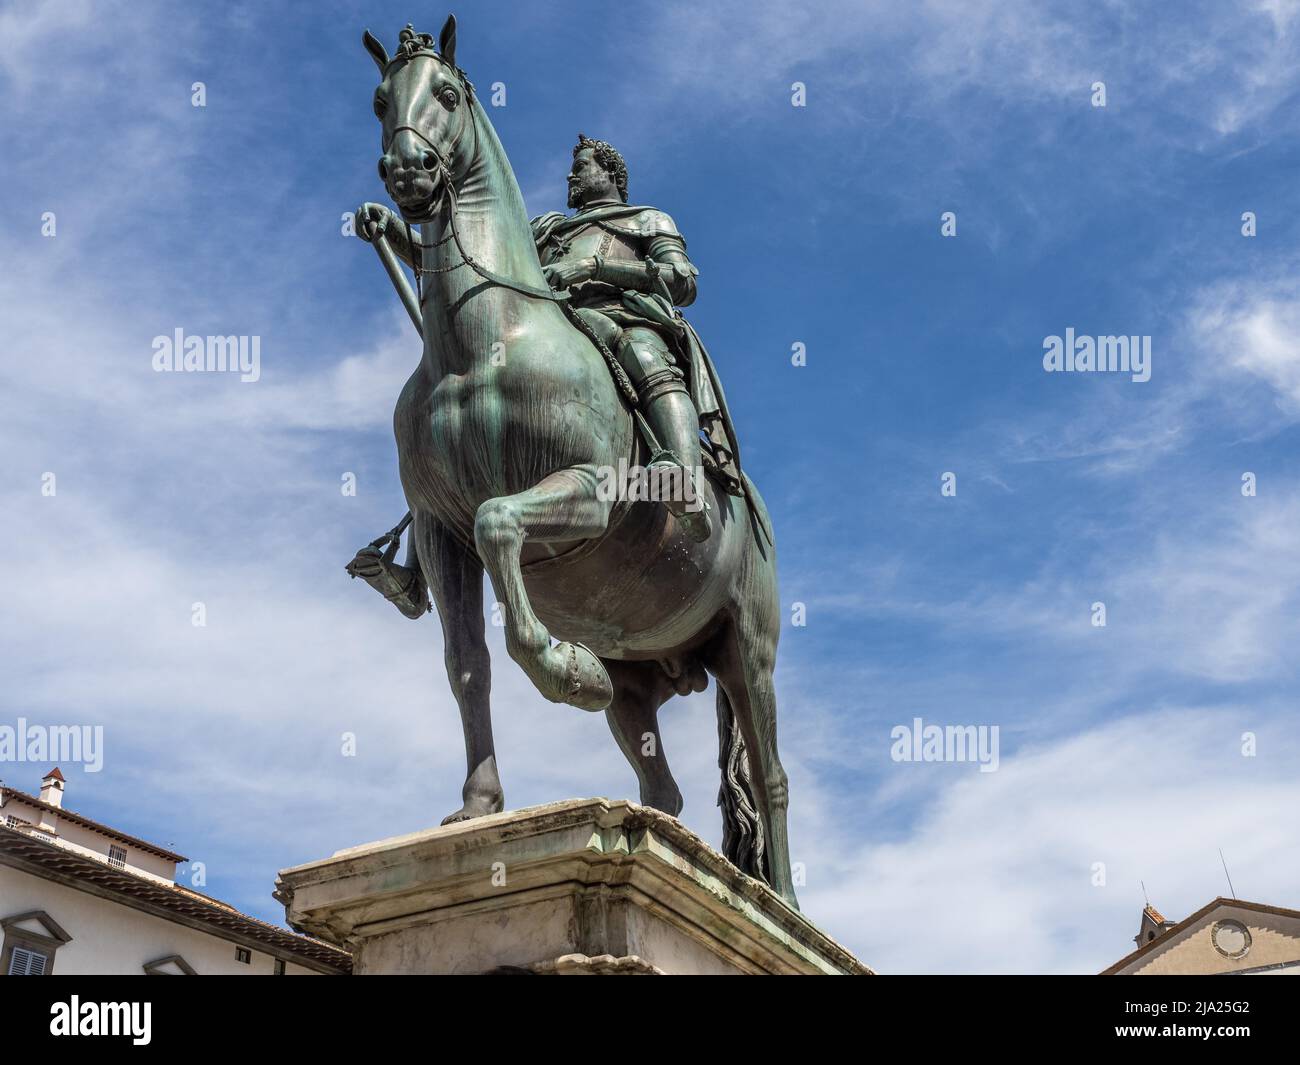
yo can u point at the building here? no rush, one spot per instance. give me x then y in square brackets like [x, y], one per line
[1226, 936]
[78, 897]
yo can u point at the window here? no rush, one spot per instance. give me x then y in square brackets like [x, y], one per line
[117, 856]
[1231, 939]
[31, 941]
[24, 962]
[11, 821]
[241, 954]
[279, 967]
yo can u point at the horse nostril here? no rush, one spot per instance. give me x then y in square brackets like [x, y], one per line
[383, 169]
[429, 160]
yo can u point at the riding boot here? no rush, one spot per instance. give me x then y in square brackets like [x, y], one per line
[668, 408]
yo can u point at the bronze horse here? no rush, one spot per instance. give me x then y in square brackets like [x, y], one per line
[503, 432]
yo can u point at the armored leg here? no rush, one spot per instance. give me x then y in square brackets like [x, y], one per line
[604, 327]
[667, 406]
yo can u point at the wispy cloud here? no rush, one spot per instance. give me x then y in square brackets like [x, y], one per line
[1028, 843]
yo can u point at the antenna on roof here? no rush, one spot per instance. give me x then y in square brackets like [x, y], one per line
[1144, 894]
[1232, 892]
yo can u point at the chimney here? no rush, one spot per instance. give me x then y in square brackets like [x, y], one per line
[52, 788]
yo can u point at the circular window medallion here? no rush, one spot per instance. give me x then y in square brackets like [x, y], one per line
[1230, 938]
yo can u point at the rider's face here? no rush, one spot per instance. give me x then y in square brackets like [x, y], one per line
[588, 180]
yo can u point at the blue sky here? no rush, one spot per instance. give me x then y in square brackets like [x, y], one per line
[818, 225]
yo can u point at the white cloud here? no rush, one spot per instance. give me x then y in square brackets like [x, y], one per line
[28, 30]
[1249, 329]
[1203, 588]
[1222, 69]
[1225, 356]
[996, 874]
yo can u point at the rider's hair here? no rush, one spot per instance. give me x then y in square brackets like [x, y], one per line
[606, 155]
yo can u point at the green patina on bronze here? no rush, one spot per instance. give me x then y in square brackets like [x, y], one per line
[553, 353]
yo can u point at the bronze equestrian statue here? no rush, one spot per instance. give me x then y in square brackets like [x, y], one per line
[554, 353]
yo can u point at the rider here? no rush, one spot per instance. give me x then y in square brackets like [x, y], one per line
[627, 271]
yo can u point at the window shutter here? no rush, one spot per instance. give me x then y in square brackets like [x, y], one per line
[26, 963]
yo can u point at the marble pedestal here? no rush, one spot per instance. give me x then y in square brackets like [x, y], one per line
[586, 886]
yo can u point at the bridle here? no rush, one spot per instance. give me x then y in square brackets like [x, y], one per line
[447, 195]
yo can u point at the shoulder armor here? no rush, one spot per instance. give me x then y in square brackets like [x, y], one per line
[544, 220]
[648, 222]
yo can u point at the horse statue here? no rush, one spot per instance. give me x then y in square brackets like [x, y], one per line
[504, 432]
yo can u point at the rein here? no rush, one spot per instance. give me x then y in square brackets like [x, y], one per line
[450, 198]
[448, 195]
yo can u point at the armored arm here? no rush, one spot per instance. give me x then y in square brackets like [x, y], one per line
[664, 270]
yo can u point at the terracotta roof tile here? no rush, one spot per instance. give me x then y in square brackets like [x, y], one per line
[24, 850]
[85, 822]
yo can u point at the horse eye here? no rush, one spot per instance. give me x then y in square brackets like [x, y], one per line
[380, 107]
[448, 98]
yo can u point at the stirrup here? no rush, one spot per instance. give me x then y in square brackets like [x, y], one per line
[385, 576]
[695, 523]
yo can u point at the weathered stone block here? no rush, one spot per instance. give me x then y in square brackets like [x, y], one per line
[586, 886]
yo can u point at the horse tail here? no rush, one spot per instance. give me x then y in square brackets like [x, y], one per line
[742, 828]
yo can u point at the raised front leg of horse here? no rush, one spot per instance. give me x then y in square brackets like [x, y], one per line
[562, 506]
[455, 578]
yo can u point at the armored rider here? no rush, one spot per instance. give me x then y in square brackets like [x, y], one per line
[626, 269]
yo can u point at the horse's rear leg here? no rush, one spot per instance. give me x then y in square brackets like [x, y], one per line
[455, 578]
[742, 658]
[562, 506]
[640, 689]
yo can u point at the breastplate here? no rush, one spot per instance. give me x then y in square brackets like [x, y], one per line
[592, 240]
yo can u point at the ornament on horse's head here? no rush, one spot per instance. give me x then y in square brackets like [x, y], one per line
[411, 43]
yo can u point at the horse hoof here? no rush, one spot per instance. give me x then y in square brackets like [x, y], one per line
[475, 808]
[588, 685]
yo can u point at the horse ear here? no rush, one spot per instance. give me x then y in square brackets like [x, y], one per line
[447, 40]
[376, 49]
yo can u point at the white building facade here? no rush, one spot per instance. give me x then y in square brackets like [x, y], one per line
[78, 897]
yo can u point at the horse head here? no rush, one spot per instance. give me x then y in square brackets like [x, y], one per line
[424, 105]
